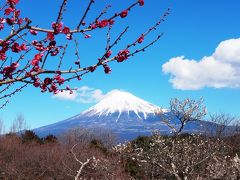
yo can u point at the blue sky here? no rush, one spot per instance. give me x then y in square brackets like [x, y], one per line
[193, 30]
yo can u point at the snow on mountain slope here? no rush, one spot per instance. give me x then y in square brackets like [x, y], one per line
[120, 101]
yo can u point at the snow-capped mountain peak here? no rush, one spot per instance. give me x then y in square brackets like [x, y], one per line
[118, 101]
[124, 114]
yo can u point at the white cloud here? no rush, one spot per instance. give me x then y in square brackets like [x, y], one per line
[83, 94]
[221, 69]
[65, 95]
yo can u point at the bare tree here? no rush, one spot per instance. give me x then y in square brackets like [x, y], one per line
[77, 136]
[237, 126]
[82, 135]
[106, 136]
[19, 124]
[221, 121]
[182, 112]
[2, 128]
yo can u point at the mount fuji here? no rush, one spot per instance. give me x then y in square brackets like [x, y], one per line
[123, 113]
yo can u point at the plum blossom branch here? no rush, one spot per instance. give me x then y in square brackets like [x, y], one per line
[33, 65]
[62, 9]
[14, 92]
[15, 33]
[102, 13]
[85, 13]
[4, 104]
